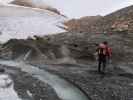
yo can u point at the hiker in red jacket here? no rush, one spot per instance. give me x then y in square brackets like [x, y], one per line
[104, 54]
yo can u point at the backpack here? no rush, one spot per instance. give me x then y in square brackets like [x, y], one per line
[102, 51]
[105, 50]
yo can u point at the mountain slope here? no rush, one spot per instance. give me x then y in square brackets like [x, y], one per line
[119, 21]
[82, 24]
[23, 22]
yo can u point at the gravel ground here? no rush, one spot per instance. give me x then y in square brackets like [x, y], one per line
[116, 84]
[29, 88]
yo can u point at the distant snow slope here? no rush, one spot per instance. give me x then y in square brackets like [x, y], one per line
[35, 4]
[22, 22]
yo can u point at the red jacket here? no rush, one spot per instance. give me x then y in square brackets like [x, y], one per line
[106, 50]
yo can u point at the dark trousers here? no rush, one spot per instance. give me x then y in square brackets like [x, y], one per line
[101, 63]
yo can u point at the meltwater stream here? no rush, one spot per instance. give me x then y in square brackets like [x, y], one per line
[64, 89]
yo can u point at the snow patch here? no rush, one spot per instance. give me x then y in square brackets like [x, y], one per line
[7, 91]
[23, 22]
[29, 93]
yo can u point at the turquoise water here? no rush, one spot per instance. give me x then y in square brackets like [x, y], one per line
[63, 89]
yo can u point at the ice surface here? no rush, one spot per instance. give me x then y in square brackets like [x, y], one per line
[23, 22]
[7, 91]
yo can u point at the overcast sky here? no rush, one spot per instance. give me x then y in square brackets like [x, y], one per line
[79, 8]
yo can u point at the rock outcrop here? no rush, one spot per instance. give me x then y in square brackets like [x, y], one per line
[78, 47]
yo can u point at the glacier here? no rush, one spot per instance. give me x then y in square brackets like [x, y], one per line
[19, 22]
